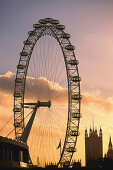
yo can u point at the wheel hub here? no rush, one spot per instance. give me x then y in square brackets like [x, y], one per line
[38, 104]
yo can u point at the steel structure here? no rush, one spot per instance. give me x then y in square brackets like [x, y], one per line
[49, 26]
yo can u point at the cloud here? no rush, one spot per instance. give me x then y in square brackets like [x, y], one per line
[7, 82]
[36, 89]
[45, 90]
[98, 100]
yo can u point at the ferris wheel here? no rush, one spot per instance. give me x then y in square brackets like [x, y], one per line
[47, 89]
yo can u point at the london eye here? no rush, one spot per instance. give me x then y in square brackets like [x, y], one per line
[47, 93]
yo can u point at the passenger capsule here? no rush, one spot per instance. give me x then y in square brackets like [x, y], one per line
[17, 124]
[66, 163]
[60, 27]
[32, 33]
[27, 42]
[65, 35]
[75, 78]
[23, 53]
[70, 47]
[17, 109]
[48, 19]
[73, 62]
[55, 22]
[76, 97]
[37, 25]
[71, 149]
[20, 66]
[19, 80]
[76, 115]
[74, 133]
[17, 94]
[42, 21]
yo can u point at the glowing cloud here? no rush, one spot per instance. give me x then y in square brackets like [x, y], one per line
[7, 82]
[37, 89]
[106, 104]
[43, 89]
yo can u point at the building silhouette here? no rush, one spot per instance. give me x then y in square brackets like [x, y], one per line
[110, 150]
[93, 146]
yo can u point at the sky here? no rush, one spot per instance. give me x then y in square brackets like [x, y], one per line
[90, 24]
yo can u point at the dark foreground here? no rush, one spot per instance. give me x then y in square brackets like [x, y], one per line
[82, 168]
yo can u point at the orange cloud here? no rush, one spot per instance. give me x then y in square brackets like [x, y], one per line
[42, 89]
[37, 89]
[106, 104]
[7, 82]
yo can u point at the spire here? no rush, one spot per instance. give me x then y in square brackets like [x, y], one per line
[90, 131]
[95, 130]
[100, 133]
[86, 134]
[100, 129]
[93, 122]
[110, 144]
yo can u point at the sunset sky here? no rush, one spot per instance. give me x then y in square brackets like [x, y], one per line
[90, 23]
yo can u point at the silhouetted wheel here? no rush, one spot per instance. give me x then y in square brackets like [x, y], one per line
[48, 72]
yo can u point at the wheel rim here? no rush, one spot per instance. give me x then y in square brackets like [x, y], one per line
[51, 27]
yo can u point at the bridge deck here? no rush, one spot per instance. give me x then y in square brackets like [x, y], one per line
[13, 153]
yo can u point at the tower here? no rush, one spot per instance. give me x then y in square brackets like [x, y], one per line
[93, 145]
[110, 149]
[110, 144]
